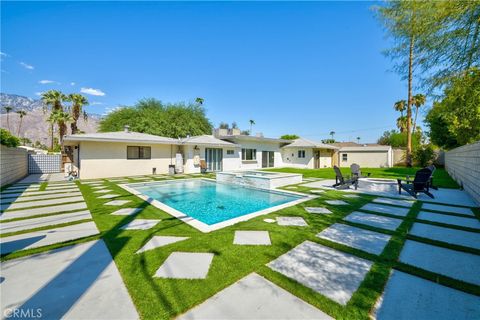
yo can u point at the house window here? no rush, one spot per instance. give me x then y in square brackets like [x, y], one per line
[344, 157]
[230, 152]
[301, 153]
[249, 154]
[134, 152]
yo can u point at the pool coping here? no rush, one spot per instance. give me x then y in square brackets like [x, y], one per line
[203, 227]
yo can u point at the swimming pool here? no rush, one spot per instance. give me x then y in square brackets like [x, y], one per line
[208, 205]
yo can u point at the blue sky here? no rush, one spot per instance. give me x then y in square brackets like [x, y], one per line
[306, 68]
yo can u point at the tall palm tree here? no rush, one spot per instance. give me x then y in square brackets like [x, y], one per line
[418, 101]
[199, 101]
[332, 133]
[52, 99]
[21, 114]
[358, 140]
[7, 110]
[252, 122]
[402, 123]
[400, 106]
[78, 102]
[61, 118]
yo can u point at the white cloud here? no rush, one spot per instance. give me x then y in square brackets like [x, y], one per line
[47, 81]
[27, 66]
[3, 54]
[95, 103]
[38, 93]
[93, 92]
[72, 83]
[110, 109]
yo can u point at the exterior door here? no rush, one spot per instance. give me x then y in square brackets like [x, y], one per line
[214, 158]
[268, 159]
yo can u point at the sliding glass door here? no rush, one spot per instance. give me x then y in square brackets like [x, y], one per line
[214, 157]
[268, 159]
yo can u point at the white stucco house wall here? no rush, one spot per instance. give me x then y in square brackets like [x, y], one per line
[308, 154]
[365, 155]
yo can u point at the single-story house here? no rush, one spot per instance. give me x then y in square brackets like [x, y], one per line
[127, 153]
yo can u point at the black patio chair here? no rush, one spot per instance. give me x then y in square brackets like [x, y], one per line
[356, 171]
[344, 183]
[420, 184]
[432, 168]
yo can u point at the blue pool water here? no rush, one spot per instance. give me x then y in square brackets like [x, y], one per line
[212, 202]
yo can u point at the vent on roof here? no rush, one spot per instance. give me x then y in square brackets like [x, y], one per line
[126, 128]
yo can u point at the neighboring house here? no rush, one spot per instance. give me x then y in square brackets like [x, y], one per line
[126, 153]
[368, 155]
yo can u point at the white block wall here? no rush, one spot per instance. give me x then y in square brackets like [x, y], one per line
[13, 164]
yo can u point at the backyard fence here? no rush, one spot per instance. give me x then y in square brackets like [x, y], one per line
[44, 163]
[463, 165]
[13, 164]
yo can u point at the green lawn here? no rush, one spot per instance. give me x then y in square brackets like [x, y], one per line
[166, 298]
[441, 177]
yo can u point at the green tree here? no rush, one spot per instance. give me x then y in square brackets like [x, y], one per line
[224, 125]
[61, 118]
[252, 123]
[424, 155]
[332, 133]
[78, 102]
[53, 101]
[7, 110]
[199, 101]
[455, 120]
[153, 117]
[21, 114]
[7, 139]
[418, 101]
[399, 139]
[289, 137]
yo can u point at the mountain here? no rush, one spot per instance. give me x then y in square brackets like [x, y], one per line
[34, 124]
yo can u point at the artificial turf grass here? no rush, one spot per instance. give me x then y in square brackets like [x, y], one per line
[441, 178]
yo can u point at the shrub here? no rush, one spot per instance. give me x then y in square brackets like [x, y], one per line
[7, 139]
[424, 155]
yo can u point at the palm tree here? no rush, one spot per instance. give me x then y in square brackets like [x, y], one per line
[252, 122]
[7, 110]
[199, 101]
[418, 101]
[402, 123]
[400, 106]
[78, 102]
[332, 133]
[21, 114]
[61, 118]
[358, 140]
[53, 99]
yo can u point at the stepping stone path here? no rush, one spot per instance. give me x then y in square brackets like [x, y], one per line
[20, 225]
[374, 220]
[395, 202]
[352, 196]
[185, 265]
[36, 193]
[268, 220]
[450, 209]
[336, 202]
[40, 197]
[317, 191]
[252, 238]
[260, 299]
[100, 187]
[451, 263]
[449, 219]
[141, 224]
[160, 241]
[29, 204]
[43, 210]
[46, 237]
[68, 283]
[103, 191]
[320, 210]
[365, 240]
[334, 274]
[108, 196]
[126, 211]
[117, 202]
[452, 236]
[291, 221]
[385, 209]
[424, 299]
[291, 187]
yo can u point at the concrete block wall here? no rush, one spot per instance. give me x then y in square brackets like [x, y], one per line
[463, 165]
[13, 164]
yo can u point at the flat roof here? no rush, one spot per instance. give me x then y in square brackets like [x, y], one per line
[305, 143]
[253, 138]
[121, 136]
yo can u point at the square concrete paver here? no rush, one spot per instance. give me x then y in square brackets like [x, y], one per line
[407, 297]
[260, 299]
[353, 196]
[117, 202]
[33, 223]
[291, 221]
[366, 240]
[103, 190]
[160, 241]
[396, 211]
[395, 202]
[46, 237]
[374, 220]
[74, 282]
[453, 236]
[185, 265]
[99, 187]
[449, 219]
[320, 210]
[268, 220]
[334, 274]
[443, 208]
[127, 211]
[252, 238]
[39, 197]
[317, 191]
[141, 224]
[336, 202]
[39, 203]
[43, 210]
[108, 196]
[451, 263]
